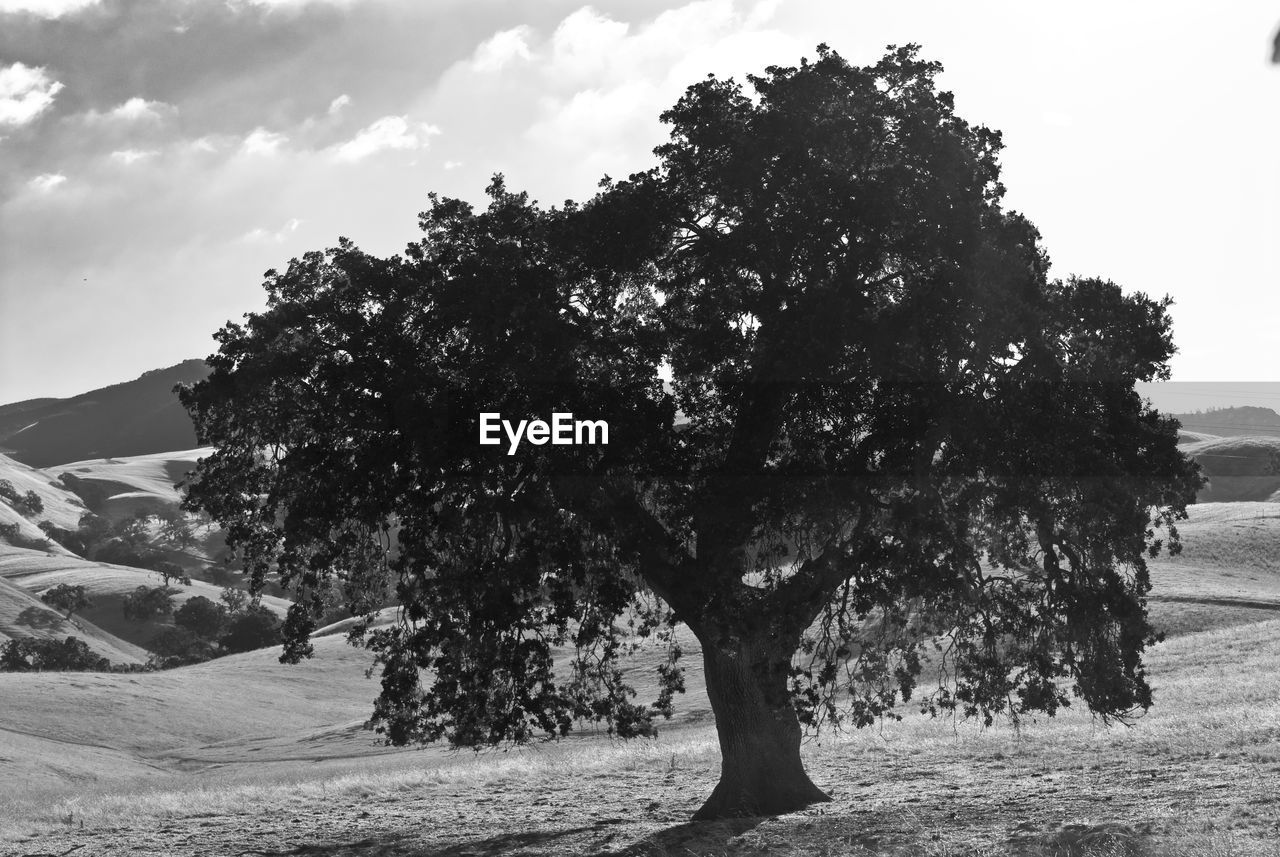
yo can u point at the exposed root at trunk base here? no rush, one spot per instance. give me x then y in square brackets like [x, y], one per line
[745, 799]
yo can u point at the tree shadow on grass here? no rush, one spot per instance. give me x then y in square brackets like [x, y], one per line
[709, 837]
[39, 618]
[409, 845]
[693, 837]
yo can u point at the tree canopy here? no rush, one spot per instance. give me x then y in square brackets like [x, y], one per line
[860, 444]
[67, 598]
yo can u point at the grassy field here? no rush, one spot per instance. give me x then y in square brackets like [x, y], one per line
[245, 756]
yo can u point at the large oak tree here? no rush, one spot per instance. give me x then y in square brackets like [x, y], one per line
[892, 461]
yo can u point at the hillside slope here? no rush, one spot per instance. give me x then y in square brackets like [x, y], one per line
[1240, 468]
[129, 485]
[133, 418]
[22, 614]
[1233, 422]
[107, 585]
[60, 507]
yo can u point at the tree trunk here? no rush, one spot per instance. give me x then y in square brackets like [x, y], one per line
[760, 768]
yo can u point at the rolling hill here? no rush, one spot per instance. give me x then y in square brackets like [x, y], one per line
[1240, 468]
[1233, 422]
[129, 485]
[133, 418]
[60, 506]
[107, 585]
[22, 614]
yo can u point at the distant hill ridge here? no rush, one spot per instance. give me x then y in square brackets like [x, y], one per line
[135, 417]
[1246, 420]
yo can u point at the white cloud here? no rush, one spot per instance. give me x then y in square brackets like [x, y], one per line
[25, 93]
[263, 142]
[336, 105]
[389, 132]
[287, 4]
[46, 182]
[584, 43]
[763, 12]
[593, 118]
[500, 49]
[266, 236]
[134, 114]
[45, 8]
[591, 89]
[452, 165]
[131, 156]
[136, 109]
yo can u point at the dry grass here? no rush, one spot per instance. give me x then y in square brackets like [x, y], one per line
[1216, 726]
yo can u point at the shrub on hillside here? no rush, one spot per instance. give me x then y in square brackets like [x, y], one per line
[220, 575]
[28, 654]
[148, 602]
[177, 647]
[67, 598]
[254, 628]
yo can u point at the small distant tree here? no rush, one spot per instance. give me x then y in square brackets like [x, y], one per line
[202, 617]
[255, 627]
[234, 599]
[13, 657]
[148, 602]
[175, 527]
[170, 571]
[135, 531]
[67, 598]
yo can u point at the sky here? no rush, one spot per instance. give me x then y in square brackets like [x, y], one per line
[157, 156]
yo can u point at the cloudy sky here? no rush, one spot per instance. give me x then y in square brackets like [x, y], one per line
[157, 156]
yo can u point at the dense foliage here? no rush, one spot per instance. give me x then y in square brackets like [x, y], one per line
[148, 602]
[29, 654]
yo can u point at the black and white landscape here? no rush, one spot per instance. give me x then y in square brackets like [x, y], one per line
[710, 427]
